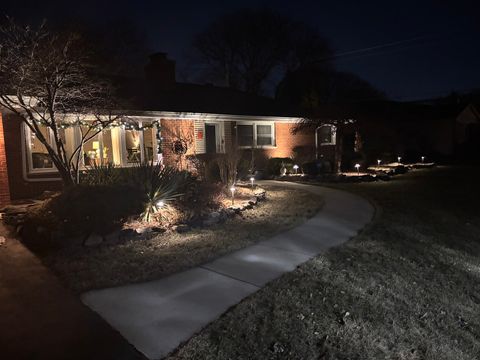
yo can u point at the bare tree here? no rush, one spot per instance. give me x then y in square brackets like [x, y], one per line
[48, 80]
[248, 46]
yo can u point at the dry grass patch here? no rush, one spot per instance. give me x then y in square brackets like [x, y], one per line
[141, 260]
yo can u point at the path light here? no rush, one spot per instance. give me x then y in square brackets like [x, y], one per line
[295, 167]
[399, 159]
[357, 166]
[379, 162]
[160, 204]
[423, 159]
[252, 179]
[232, 189]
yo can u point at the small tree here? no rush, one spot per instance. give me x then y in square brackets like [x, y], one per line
[340, 124]
[49, 79]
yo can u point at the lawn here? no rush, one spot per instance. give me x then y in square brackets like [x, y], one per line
[408, 287]
[84, 268]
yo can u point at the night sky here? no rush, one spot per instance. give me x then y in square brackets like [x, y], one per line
[436, 44]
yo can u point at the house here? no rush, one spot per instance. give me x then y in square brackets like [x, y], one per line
[169, 119]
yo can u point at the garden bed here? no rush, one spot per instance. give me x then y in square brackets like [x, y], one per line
[143, 258]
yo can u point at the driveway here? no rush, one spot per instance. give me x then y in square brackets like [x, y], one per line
[40, 319]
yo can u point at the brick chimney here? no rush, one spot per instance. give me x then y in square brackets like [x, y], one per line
[160, 71]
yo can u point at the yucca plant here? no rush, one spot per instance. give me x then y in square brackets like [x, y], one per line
[101, 174]
[159, 184]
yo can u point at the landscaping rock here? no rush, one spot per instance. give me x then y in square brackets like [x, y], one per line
[182, 228]
[212, 219]
[253, 201]
[143, 230]
[2, 240]
[93, 240]
[230, 212]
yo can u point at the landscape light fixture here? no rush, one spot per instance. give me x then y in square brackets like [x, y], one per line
[357, 166]
[252, 179]
[232, 189]
[399, 159]
[295, 167]
[379, 162]
[160, 204]
[423, 159]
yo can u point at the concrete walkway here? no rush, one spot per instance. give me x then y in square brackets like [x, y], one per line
[40, 319]
[157, 316]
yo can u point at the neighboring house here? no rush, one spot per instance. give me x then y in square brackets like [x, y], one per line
[194, 119]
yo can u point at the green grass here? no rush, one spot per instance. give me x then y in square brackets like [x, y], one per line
[84, 269]
[408, 287]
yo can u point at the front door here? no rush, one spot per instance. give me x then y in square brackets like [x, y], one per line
[210, 138]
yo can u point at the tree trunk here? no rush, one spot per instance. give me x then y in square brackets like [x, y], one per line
[338, 151]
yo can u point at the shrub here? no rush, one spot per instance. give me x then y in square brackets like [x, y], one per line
[311, 168]
[105, 174]
[84, 209]
[274, 165]
[157, 185]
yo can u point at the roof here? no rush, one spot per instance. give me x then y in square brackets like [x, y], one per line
[194, 98]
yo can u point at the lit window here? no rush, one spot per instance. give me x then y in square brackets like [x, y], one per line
[39, 158]
[245, 135]
[327, 135]
[149, 144]
[132, 145]
[91, 148]
[264, 135]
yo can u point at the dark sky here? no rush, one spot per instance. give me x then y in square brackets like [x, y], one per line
[443, 56]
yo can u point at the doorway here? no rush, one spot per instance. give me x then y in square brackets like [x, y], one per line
[211, 138]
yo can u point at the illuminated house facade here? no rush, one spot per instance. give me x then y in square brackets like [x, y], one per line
[199, 119]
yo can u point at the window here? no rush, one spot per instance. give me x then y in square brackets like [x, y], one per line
[327, 135]
[245, 135]
[256, 134]
[264, 135]
[39, 158]
[132, 145]
[115, 145]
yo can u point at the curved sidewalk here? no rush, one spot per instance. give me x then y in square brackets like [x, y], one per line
[157, 316]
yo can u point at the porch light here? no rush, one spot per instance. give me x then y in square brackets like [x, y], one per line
[357, 166]
[232, 189]
[295, 167]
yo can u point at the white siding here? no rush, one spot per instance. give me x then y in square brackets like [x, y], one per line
[199, 127]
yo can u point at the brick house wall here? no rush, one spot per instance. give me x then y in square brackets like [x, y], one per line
[4, 184]
[172, 130]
